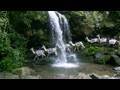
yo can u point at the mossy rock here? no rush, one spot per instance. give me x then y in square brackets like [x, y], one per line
[92, 50]
[103, 59]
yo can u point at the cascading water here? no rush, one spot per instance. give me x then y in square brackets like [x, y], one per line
[65, 27]
[60, 35]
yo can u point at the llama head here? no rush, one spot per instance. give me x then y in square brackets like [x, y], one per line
[83, 46]
[86, 38]
[43, 47]
[98, 36]
[32, 49]
[70, 42]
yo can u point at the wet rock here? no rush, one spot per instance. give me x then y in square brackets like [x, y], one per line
[30, 77]
[117, 52]
[117, 75]
[83, 76]
[24, 71]
[2, 75]
[101, 58]
[117, 69]
[116, 58]
[98, 55]
[106, 77]
[95, 76]
[61, 76]
[80, 76]
[6, 75]
[11, 76]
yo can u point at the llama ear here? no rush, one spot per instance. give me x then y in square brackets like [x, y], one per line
[98, 35]
[86, 37]
[31, 48]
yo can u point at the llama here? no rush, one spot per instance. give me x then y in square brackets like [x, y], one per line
[102, 40]
[77, 45]
[113, 42]
[50, 51]
[94, 40]
[38, 53]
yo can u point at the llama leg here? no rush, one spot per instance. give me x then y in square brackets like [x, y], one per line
[75, 48]
[55, 53]
[47, 55]
[44, 55]
[38, 60]
[78, 48]
[35, 58]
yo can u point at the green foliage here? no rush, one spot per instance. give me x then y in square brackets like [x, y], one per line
[14, 59]
[105, 53]
[32, 25]
[104, 59]
[4, 41]
[10, 58]
[17, 40]
[92, 50]
[90, 23]
[28, 20]
[84, 23]
[23, 27]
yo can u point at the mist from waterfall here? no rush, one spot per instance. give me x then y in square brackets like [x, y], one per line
[60, 36]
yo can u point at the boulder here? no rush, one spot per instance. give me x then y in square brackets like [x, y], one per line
[116, 58]
[95, 76]
[117, 69]
[101, 58]
[98, 56]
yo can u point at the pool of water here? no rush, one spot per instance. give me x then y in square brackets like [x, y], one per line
[48, 71]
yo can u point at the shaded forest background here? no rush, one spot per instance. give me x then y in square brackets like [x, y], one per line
[21, 30]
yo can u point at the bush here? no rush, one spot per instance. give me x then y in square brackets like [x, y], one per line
[10, 57]
[14, 59]
[104, 59]
[92, 50]
[17, 40]
[4, 44]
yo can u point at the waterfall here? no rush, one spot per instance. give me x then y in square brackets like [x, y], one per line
[60, 35]
[65, 27]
